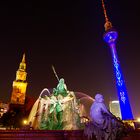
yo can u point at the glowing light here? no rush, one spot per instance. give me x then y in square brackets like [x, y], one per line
[115, 101]
[24, 122]
[138, 119]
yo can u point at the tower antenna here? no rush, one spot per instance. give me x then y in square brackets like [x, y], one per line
[108, 24]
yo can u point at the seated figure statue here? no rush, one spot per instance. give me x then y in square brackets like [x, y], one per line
[104, 125]
[61, 88]
[98, 110]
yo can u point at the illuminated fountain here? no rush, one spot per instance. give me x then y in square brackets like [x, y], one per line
[60, 109]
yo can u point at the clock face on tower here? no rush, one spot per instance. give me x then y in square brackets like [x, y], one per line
[21, 75]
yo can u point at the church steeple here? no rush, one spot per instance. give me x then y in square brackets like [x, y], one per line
[22, 65]
[20, 84]
[21, 72]
[23, 58]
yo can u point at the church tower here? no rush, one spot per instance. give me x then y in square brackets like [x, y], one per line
[19, 84]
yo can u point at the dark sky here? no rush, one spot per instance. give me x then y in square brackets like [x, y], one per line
[68, 34]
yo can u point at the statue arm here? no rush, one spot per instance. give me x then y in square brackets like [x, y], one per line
[66, 99]
[105, 110]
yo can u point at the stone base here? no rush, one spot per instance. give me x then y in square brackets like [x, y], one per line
[42, 135]
[54, 135]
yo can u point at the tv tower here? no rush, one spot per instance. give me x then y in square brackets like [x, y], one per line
[110, 36]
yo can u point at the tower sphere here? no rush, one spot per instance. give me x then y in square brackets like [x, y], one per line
[110, 36]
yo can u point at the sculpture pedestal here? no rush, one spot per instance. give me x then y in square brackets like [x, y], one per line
[53, 135]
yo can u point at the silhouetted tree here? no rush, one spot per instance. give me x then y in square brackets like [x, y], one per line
[16, 113]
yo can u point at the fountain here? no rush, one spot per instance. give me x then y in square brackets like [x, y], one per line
[60, 109]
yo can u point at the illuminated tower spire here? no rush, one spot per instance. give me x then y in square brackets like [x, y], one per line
[23, 58]
[110, 37]
[108, 24]
[20, 84]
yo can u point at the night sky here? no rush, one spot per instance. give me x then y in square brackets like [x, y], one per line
[68, 34]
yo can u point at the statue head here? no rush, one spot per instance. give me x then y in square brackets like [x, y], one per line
[99, 98]
[61, 80]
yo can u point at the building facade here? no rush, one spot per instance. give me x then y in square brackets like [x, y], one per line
[114, 108]
[3, 108]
